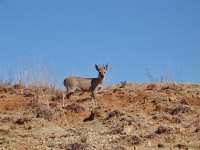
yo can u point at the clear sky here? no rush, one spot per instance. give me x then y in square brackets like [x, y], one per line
[137, 38]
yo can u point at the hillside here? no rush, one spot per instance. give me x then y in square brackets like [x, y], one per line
[128, 116]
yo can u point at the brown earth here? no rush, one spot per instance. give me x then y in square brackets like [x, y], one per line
[128, 116]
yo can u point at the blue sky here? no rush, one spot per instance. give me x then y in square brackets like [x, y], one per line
[135, 37]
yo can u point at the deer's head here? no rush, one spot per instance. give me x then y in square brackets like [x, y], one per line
[101, 70]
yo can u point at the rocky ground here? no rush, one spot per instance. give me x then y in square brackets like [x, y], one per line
[128, 116]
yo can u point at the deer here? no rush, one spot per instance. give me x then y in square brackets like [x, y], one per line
[74, 83]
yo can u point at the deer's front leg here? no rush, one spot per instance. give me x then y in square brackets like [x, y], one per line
[93, 98]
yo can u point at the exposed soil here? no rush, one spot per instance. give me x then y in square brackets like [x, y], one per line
[127, 117]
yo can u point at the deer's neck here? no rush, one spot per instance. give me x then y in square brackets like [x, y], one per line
[96, 82]
[100, 79]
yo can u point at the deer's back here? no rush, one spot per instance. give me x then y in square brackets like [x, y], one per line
[78, 83]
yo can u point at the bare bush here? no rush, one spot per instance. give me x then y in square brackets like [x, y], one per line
[163, 130]
[123, 84]
[115, 113]
[75, 108]
[178, 109]
[151, 87]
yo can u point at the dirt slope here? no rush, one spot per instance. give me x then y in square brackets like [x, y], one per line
[129, 116]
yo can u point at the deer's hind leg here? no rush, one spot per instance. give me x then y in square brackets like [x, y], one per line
[63, 101]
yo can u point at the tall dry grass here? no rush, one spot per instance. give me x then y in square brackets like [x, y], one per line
[36, 79]
[165, 77]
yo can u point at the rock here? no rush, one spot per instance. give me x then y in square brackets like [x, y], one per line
[2, 96]
[151, 87]
[3, 140]
[178, 110]
[163, 130]
[4, 130]
[197, 129]
[181, 146]
[160, 145]
[28, 93]
[150, 136]
[6, 119]
[21, 121]
[135, 140]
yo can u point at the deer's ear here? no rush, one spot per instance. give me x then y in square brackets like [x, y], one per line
[106, 67]
[97, 67]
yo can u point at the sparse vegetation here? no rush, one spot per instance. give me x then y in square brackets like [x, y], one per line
[134, 116]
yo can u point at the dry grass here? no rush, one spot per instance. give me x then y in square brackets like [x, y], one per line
[140, 116]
